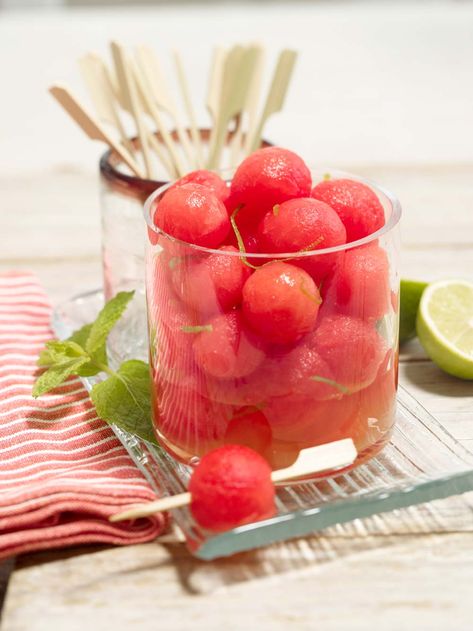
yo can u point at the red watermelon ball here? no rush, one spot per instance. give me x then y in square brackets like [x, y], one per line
[280, 302]
[231, 486]
[206, 178]
[249, 427]
[267, 177]
[225, 350]
[299, 419]
[190, 422]
[352, 348]
[356, 204]
[360, 285]
[194, 214]
[303, 224]
[211, 284]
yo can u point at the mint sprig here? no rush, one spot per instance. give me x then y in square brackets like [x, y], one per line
[124, 396]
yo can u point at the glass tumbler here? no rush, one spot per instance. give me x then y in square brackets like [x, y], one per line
[219, 377]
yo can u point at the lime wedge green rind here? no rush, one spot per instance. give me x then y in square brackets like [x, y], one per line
[410, 295]
[445, 326]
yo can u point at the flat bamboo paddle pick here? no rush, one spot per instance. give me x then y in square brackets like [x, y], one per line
[275, 99]
[149, 64]
[101, 90]
[214, 90]
[91, 127]
[231, 100]
[127, 86]
[335, 455]
[186, 96]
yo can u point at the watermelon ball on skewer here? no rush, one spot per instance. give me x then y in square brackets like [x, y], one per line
[356, 204]
[231, 486]
[280, 302]
[209, 179]
[194, 214]
[299, 225]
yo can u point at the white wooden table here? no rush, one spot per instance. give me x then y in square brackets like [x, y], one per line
[412, 569]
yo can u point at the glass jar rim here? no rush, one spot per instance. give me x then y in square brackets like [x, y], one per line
[110, 163]
[392, 222]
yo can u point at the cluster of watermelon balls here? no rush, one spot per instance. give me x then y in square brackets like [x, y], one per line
[262, 304]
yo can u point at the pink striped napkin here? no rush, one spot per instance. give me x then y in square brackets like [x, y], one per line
[62, 470]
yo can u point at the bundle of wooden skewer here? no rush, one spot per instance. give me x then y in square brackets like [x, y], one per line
[168, 143]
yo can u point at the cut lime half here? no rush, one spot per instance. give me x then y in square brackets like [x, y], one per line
[445, 326]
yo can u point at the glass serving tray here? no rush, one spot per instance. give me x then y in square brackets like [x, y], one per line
[422, 462]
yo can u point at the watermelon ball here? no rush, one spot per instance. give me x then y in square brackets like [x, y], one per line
[206, 178]
[267, 177]
[212, 284]
[187, 422]
[356, 204]
[280, 302]
[231, 486]
[360, 286]
[249, 427]
[302, 225]
[307, 373]
[194, 214]
[300, 420]
[225, 350]
[352, 348]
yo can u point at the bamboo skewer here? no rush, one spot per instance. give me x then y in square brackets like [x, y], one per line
[162, 96]
[275, 98]
[151, 108]
[101, 91]
[230, 102]
[338, 454]
[251, 102]
[196, 139]
[128, 90]
[137, 86]
[91, 127]
[165, 150]
[214, 91]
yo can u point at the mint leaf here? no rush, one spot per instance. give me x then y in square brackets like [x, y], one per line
[105, 322]
[124, 399]
[81, 337]
[57, 374]
[59, 352]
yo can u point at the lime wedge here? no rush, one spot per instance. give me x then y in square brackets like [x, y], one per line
[410, 295]
[445, 326]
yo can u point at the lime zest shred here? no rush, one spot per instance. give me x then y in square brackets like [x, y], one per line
[200, 328]
[331, 382]
[241, 245]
